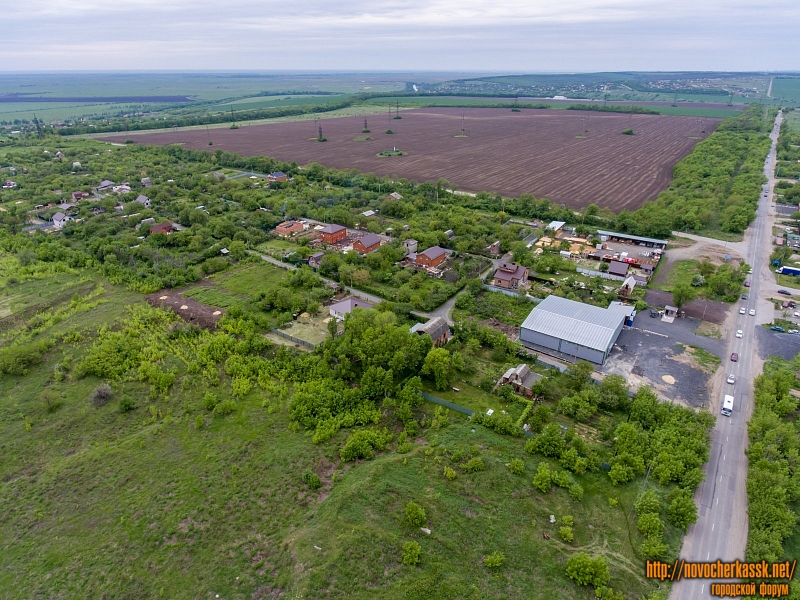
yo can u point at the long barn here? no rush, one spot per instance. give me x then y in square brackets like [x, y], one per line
[573, 330]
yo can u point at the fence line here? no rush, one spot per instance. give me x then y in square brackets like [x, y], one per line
[283, 334]
[511, 293]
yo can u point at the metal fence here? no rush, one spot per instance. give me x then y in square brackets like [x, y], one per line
[283, 334]
[512, 293]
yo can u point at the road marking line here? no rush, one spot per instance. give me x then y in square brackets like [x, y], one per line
[717, 500]
[712, 526]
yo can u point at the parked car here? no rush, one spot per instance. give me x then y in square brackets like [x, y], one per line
[792, 331]
[745, 296]
[785, 292]
[746, 284]
[731, 379]
[734, 357]
[742, 310]
[752, 312]
[739, 333]
[778, 329]
[797, 314]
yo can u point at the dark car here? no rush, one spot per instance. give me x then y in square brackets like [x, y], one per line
[744, 296]
[785, 292]
[776, 328]
[734, 357]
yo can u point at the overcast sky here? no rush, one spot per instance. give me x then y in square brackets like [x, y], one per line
[502, 35]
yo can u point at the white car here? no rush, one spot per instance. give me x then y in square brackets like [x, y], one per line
[739, 333]
[752, 312]
[742, 310]
[731, 379]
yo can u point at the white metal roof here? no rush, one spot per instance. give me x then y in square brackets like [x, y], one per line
[556, 225]
[582, 324]
[627, 236]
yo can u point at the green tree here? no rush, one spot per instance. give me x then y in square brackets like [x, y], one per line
[437, 366]
[682, 295]
[415, 514]
[682, 511]
[584, 570]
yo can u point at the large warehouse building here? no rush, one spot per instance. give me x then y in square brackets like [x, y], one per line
[572, 329]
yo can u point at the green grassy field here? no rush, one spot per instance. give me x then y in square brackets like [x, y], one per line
[786, 88]
[256, 103]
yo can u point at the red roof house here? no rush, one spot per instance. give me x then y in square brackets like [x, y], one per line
[368, 243]
[509, 275]
[289, 228]
[432, 257]
[333, 234]
[165, 228]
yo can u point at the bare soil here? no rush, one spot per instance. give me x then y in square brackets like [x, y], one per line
[570, 157]
[708, 310]
[188, 309]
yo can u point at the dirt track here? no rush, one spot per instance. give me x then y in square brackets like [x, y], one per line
[570, 157]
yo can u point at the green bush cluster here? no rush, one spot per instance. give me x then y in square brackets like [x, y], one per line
[411, 553]
[312, 480]
[364, 443]
[415, 514]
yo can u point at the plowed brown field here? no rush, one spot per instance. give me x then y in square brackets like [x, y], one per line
[532, 151]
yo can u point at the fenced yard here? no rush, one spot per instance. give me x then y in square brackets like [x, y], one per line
[313, 330]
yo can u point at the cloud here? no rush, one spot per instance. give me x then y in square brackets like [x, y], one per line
[413, 34]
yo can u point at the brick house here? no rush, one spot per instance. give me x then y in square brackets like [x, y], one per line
[432, 257]
[368, 243]
[333, 234]
[276, 176]
[289, 228]
[509, 276]
[165, 228]
[315, 259]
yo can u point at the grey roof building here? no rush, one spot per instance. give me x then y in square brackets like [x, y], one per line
[339, 309]
[574, 330]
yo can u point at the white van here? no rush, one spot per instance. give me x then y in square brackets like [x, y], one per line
[727, 406]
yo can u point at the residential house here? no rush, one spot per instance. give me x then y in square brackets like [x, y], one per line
[450, 234]
[522, 378]
[494, 248]
[105, 185]
[165, 228]
[333, 234]
[143, 200]
[395, 196]
[436, 328]
[432, 257]
[410, 246]
[59, 154]
[8, 184]
[315, 259]
[339, 309]
[618, 268]
[60, 219]
[367, 243]
[122, 188]
[627, 286]
[647, 269]
[368, 213]
[289, 228]
[146, 182]
[97, 210]
[509, 276]
[276, 176]
[77, 196]
[76, 165]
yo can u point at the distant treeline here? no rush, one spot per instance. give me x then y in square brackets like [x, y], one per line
[615, 108]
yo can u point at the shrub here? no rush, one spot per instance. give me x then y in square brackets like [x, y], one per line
[449, 473]
[415, 514]
[494, 560]
[648, 502]
[411, 553]
[650, 525]
[568, 520]
[682, 511]
[516, 466]
[101, 394]
[566, 534]
[209, 400]
[474, 465]
[312, 480]
[15, 360]
[584, 570]
[542, 481]
[561, 479]
[404, 447]
[653, 547]
[362, 444]
[225, 407]
[52, 401]
[126, 403]
[576, 491]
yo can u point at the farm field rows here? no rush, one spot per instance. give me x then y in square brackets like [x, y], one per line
[572, 157]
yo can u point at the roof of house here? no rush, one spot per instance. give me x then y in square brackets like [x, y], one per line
[277, 174]
[396, 196]
[332, 228]
[66, 206]
[291, 225]
[142, 199]
[161, 228]
[556, 225]
[435, 327]
[509, 272]
[368, 213]
[629, 281]
[624, 309]
[571, 321]
[617, 267]
[105, 183]
[627, 236]
[317, 255]
[59, 216]
[433, 252]
[370, 239]
[348, 304]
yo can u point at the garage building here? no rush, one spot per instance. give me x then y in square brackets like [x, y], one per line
[573, 330]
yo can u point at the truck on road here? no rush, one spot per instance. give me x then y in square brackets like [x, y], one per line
[788, 271]
[727, 406]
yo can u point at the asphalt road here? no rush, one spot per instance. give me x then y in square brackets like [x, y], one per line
[721, 528]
